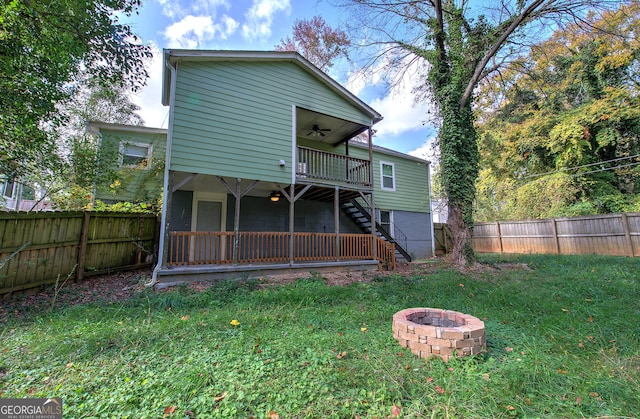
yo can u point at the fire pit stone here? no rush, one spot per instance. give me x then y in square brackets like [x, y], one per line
[435, 332]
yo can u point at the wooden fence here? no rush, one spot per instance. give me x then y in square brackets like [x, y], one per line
[42, 248]
[609, 234]
[442, 237]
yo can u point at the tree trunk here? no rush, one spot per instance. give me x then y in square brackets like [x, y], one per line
[459, 158]
[462, 254]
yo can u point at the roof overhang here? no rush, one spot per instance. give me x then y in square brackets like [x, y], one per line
[96, 127]
[175, 56]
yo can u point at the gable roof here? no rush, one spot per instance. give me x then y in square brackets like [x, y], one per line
[173, 56]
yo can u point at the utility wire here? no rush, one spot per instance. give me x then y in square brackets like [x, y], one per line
[588, 165]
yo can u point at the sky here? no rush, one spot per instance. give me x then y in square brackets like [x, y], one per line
[260, 25]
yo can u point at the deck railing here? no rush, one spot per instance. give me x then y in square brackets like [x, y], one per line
[216, 248]
[316, 164]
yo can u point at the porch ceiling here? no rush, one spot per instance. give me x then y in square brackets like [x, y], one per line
[332, 130]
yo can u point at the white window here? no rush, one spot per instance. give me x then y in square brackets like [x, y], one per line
[387, 176]
[8, 187]
[136, 155]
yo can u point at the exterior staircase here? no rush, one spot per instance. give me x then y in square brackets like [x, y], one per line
[362, 217]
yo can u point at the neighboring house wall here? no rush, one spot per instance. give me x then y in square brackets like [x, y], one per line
[236, 118]
[17, 196]
[136, 155]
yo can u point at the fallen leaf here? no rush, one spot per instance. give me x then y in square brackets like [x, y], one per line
[395, 411]
[590, 319]
[168, 410]
[234, 322]
[565, 310]
[69, 365]
[273, 415]
[511, 407]
[341, 355]
[430, 380]
[363, 329]
[461, 285]
[581, 344]
[594, 394]
[579, 401]
[183, 318]
[220, 397]
[439, 389]
[508, 349]
[450, 369]
[486, 377]
[561, 371]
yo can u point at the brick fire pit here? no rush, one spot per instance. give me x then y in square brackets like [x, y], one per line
[434, 332]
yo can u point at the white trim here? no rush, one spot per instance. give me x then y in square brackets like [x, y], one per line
[165, 186]
[294, 144]
[149, 148]
[6, 181]
[382, 176]
[209, 197]
[391, 228]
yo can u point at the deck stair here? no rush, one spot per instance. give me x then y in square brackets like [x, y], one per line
[361, 216]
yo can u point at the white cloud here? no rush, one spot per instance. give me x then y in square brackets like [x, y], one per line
[259, 17]
[425, 151]
[171, 8]
[228, 27]
[190, 32]
[148, 99]
[402, 114]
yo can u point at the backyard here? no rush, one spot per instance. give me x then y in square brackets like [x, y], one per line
[562, 334]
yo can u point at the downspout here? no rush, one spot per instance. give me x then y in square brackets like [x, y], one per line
[165, 187]
[433, 241]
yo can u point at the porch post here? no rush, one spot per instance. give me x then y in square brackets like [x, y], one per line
[236, 224]
[374, 247]
[164, 246]
[292, 202]
[336, 219]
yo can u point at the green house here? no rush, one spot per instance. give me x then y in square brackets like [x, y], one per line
[270, 167]
[136, 156]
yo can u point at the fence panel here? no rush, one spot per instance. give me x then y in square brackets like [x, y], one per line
[609, 234]
[40, 248]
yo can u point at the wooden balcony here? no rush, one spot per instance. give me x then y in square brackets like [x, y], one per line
[188, 248]
[332, 168]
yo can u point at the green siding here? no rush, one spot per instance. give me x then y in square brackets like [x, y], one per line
[137, 185]
[410, 177]
[235, 118]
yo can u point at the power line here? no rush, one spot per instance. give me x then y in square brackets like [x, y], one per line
[588, 165]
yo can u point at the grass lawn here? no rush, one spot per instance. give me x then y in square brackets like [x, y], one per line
[562, 338]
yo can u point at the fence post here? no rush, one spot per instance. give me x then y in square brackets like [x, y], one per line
[82, 246]
[627, 233]
[554, 228]
[499, 237]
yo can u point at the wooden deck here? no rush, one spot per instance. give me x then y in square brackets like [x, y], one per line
[187, 248]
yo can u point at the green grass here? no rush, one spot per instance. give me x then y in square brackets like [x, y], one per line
[562, 336]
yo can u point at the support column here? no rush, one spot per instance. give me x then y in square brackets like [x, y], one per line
[164, 246]
[336, 219]
[292, 220]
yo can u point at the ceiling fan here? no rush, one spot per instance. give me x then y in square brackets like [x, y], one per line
[317, 132]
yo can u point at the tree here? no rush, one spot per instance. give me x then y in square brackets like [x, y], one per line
[572, 106]
[317, 42]
[44, 45]
[461, 43]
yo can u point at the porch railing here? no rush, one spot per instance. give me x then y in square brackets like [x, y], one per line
[320, 165]
[216, 248]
